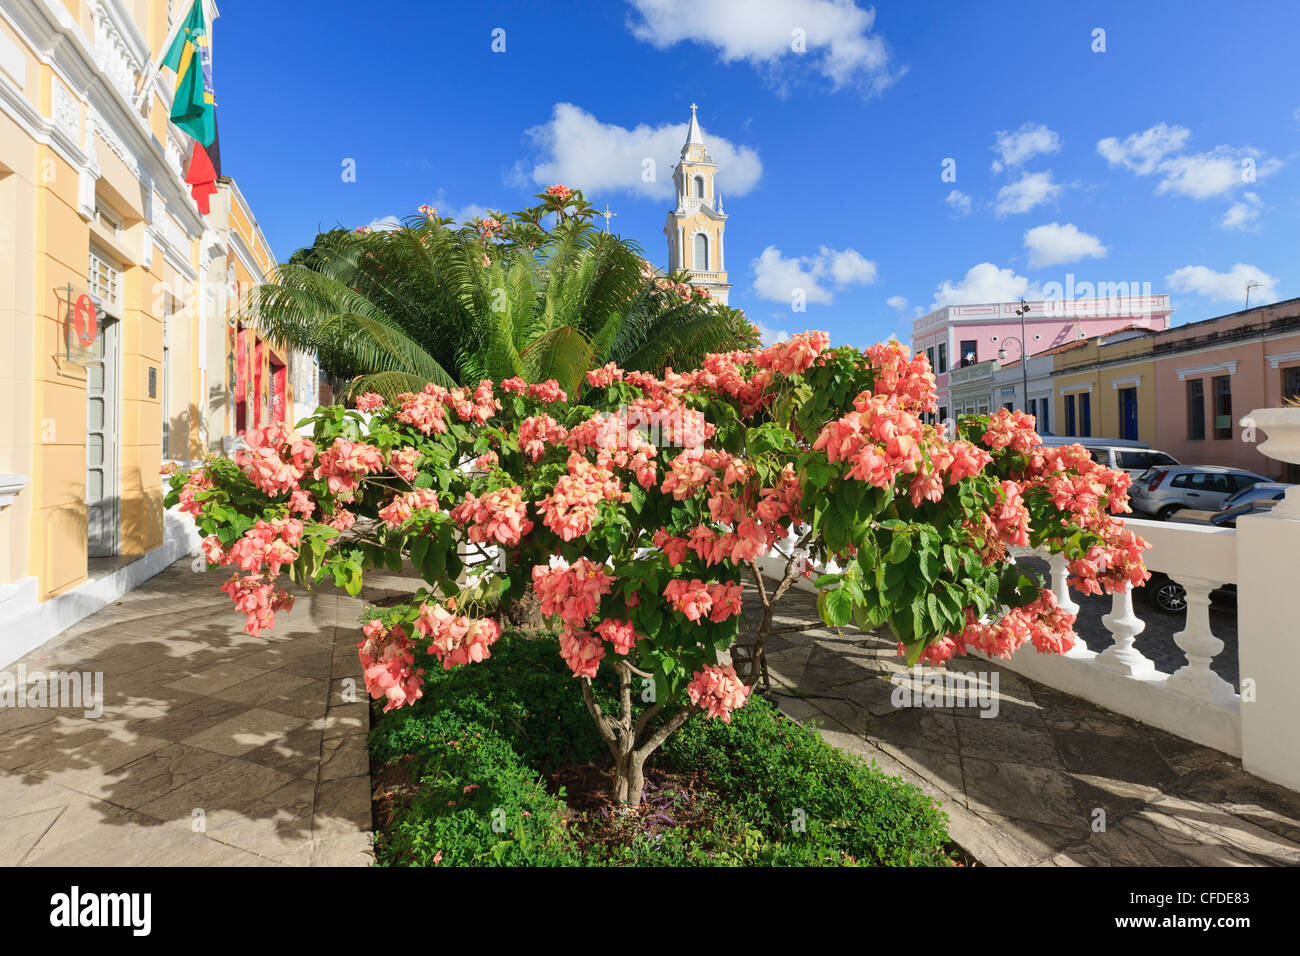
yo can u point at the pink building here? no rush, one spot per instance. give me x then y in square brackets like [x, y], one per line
[1210, 374]
[960, 335]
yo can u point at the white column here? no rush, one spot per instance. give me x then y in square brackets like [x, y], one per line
[1200, 646]
[1122, 657]
[1268, 642]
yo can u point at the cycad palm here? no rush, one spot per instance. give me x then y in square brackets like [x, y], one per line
[428, 303]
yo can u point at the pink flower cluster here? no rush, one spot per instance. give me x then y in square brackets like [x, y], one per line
[388, 665]
[880, 438]
[1014, 430]
[370, 402]
[697, 599]
[718, 691]
[607, 374]
[257, 599]
[582, 651]
[403, 507]
[498, 517]
[618, 632]
[574, 592]
[345, 462]
[911, 383]
[424, 410]
[559, 192]
[402, 462]
[548, 391]
[276, 458]
[795, 355]
[1041, 622]
[537, 433]
[454, 638]
[570, 509]
[476, 407]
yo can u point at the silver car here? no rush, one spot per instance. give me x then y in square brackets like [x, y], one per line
[1164, 490]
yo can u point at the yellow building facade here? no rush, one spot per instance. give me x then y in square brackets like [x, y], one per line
[117, 310]
[1104, 387]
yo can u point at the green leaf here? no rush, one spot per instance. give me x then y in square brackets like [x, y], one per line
[900, 548]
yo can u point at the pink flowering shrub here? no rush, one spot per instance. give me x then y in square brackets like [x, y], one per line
[635, 510]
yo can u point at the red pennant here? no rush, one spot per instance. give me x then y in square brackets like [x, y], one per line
[202, 178]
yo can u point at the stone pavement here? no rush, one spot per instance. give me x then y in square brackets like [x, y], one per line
[213, 748]
[1025, 787]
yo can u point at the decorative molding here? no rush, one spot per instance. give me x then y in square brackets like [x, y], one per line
[1076, 389]
[1117, 383]
[120, 51]
[1276, 360]
[95, 123]
[59, 44]
[13, 61]
[65, 110]
[10, 486]
[1230, 367]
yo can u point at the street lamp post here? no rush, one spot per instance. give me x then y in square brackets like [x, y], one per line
[1024, 364]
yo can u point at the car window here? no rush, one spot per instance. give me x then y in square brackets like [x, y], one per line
[1100, 455]
[1218, 484]
[1144, 459]
[1183, 481]
[1245, 481]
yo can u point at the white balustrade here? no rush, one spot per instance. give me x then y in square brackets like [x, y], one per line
[1200, 646]
[1122, 657]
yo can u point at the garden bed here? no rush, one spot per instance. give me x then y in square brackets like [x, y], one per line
[499, 764]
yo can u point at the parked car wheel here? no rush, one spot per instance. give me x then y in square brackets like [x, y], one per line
[1165, 594]
[1168, 511]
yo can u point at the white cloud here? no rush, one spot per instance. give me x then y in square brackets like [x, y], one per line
[1032, 139]
[1241, 215]
[836, 35]
[776, 278]
[384, 224]
[1227, 286]
[898, 302]
[1216, 172]
[769, 335]
[1030, 190]
[1054, 244]
[958, 202]
[578, 150]
[984, 283]
[1143, 152]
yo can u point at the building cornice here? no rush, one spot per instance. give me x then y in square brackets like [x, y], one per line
[1196, 370]
[59, 43]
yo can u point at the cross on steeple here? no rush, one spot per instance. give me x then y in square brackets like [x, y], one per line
[608, 216]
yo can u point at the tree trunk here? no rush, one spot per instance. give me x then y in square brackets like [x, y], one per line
[629, 779]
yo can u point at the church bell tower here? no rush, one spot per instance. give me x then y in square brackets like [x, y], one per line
[696, 225]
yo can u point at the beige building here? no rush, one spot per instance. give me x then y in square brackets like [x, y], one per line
[117, 303]
[696, 224]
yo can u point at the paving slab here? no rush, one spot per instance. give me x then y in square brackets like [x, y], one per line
[214, 748]
[1050, 780]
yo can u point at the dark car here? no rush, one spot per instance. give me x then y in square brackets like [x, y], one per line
[1169, 597]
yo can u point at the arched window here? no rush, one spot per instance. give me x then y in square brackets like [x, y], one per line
[701, 253]
[699, 187]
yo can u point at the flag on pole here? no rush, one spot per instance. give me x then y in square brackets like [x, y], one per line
[194, 106]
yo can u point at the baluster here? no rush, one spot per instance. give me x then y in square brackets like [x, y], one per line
[1200, 646]
[1122, 657]
[1061, 591]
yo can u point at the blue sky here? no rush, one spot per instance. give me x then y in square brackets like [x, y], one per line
[1171, 158]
